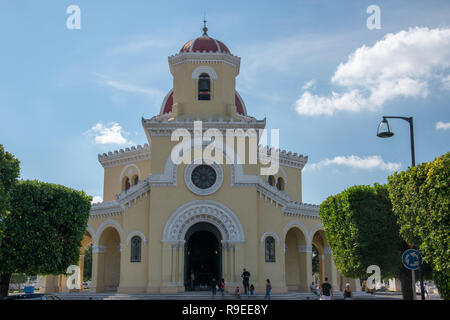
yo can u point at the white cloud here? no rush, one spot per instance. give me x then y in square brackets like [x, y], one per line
[108, 135]
[308, 85]
[96, 199]
[442, 125]
[364, 163]
[446, 82]
[128, 87]
[400, 65]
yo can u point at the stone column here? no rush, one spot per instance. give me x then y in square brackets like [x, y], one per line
[305, 267]
[168, 285]
[180, 276]
[225, 262]
[330, 269]
[232, 267]
[81, 266]
[98, 265]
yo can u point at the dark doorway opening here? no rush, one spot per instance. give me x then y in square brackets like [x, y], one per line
[202, 257]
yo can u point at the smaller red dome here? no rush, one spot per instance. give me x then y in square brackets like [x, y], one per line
[205, 44]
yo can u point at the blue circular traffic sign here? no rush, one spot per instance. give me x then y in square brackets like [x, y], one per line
[411, 259]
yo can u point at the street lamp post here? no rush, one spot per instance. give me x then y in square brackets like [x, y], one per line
[384, 131]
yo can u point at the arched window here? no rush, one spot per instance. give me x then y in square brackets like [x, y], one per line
[280, 184]
[136, 244]
[270, 249]
[126, 184]
[135, 180]
[271, 180]
[204, 87]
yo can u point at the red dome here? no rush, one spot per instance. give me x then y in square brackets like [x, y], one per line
[168, 102]
[205, 44]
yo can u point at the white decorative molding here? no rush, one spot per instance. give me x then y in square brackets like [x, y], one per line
[305, 210]
[287, 158]
[160, 126]
[121, 157]
[98, 249]
[91, 233]
[163, 104]
[283, 172]
[304, 249]
[204, 69]
[227, 245]
[205, 58]
[242, 102]
[203, 192]
[108, 223]
[106, 209]
[136, 233]
[208, 211]
[117, 207]
[266, 234]
[314, 229]
[295, 223]
[131, 165]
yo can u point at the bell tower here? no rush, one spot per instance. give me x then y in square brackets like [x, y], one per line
[204, 81]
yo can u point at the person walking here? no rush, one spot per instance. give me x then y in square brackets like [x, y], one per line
[251, 290]
[222, 287]
[326, 290]
[214, 287]
[347, 293]
[237, 293]
[268, 289]
[314, 289]
[245, 280]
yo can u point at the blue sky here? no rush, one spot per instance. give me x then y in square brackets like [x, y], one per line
[313, 68]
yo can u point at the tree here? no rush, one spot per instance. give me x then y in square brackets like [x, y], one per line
[421, 201]
[9, 173]
[44, 229]
[362, 230]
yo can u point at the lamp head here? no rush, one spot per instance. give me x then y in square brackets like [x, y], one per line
[384, 130]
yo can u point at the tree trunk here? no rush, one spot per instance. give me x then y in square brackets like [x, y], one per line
[4, 284]
[406, 281]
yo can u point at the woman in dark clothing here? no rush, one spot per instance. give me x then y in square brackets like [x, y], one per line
[347, 293]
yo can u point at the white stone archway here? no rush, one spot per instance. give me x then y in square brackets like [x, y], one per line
[203, 211]
[173, 239]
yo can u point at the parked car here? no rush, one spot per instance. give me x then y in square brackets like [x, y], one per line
[33, 296]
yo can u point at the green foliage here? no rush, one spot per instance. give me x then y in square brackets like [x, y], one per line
[9, 173]
[18, 278]
[421, 201]
[361, 230]
[44, 229]
[315, 260]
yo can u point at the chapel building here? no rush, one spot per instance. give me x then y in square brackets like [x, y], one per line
[165, 227]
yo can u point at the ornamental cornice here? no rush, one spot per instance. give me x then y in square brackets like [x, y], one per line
[117, 206]
[163, 126]
[121, 157]
[287, 158]
[302, 209]
[204, 57]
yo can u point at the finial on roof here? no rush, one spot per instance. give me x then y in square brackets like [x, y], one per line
[205, 29]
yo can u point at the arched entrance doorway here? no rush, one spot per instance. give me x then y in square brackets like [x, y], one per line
[108, 264]
[296, 269]
[202, 256]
